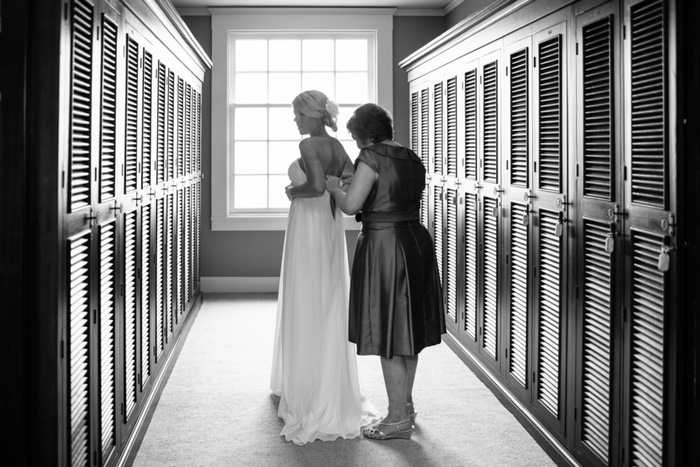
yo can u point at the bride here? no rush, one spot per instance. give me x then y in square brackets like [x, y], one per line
[314, 368]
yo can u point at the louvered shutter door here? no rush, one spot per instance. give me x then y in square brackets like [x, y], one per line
[198, 227]
[438, 116]
[169, 298]
[470, 125]
[146, 296]
[597, 192]
[490, 122]
[470, 265]
[161, 124]
[130, 338]
[415, 133]
[79, 349]
[146, 120]
[598, 111]
[425, 128]
[131, 153]
[159, 262]
[519, 119]
[180, 152]
[490, 280]
[451, 127]
[170, 128]
[651, 221]
[548, 310]
[109, 110]
[596, 342]
[187, 245]
[647, 352]
[550, 108]
[199, 132]
[81, 104]
[549, 229]
[189, 129]
[518, 354]
[649, 177]
[451, 255]
[179, 245]
[107, 314]
[517, 226]
[438, 228]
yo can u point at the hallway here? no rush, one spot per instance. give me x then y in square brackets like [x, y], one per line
[216, 408]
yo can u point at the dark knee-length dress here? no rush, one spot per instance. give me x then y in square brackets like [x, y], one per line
[396, 304]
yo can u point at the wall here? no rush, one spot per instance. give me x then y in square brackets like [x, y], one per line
[464, 10]
[259, 254]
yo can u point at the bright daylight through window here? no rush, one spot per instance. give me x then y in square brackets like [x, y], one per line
[266, 73]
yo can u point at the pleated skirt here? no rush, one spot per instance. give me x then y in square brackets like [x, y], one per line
[396, 304]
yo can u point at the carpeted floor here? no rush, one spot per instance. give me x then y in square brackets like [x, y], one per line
[217, 409]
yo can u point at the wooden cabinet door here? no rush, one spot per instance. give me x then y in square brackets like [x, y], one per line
[599, 249]
[649, 232]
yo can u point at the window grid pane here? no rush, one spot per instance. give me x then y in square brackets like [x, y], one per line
[268, 72]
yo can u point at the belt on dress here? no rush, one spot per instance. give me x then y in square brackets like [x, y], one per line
[390, 217]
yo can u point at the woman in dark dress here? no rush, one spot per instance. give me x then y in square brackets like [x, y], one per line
[396, 306]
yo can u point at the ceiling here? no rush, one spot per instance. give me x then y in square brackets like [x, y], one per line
[413, 4]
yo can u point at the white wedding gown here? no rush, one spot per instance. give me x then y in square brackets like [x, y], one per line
[314, 367]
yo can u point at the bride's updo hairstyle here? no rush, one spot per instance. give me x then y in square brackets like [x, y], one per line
[316, 104]
[371, 123]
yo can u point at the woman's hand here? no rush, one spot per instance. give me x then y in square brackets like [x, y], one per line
[286, 191]
[333, 183]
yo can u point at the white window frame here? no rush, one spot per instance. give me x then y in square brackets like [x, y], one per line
[226, 20]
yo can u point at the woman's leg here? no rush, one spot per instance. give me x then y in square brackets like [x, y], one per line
[411, 365]
[396, 377]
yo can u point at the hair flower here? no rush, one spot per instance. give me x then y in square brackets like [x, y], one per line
[332, 108]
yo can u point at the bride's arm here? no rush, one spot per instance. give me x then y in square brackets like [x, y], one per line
[351, 202]
[315, 182]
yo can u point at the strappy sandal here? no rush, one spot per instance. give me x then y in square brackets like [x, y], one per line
[404, 430]
[411, 411]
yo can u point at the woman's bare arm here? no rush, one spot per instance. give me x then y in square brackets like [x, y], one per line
[351, 202]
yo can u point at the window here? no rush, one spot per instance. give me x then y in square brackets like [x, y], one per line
[265, 73]
[261, 62]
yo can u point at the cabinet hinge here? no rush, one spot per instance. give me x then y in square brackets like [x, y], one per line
[577, 170]
[94, 315]
[534, 62]
[139, 379]
[506, 352]
[63, 179]
[577, 48]
[575, 414]
[122, 289]
[65, 12]
[624, 32]
[624, 314]
[576, 291]
[138, 273]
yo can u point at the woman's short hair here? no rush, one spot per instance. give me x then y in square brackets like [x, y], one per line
[371, 122]
[316, 104]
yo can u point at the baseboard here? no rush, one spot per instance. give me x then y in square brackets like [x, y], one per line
[559, 454]
[133, 441]
[240, 284]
